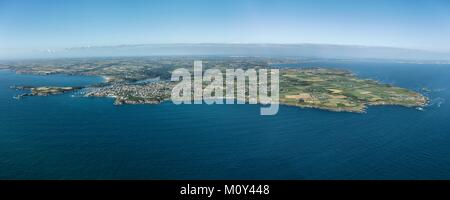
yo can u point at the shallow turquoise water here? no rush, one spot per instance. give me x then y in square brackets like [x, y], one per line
[64, 137]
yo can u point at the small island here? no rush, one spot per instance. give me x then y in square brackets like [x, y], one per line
[44, 91]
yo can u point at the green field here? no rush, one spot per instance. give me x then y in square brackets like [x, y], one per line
[340, 90]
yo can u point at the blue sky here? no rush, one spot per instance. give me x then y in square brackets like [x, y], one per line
[28, 24]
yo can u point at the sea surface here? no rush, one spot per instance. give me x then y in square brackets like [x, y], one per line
[66, 137]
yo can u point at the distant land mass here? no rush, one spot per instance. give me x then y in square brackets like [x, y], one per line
[232, 49]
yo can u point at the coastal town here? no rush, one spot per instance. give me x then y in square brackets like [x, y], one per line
[123, 93]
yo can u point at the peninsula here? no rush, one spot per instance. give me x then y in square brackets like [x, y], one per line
[128, 81]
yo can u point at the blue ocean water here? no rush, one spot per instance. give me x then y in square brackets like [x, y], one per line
[64, 137]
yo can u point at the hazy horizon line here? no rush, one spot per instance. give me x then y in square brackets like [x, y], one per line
[227, 43]
[305, 49]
